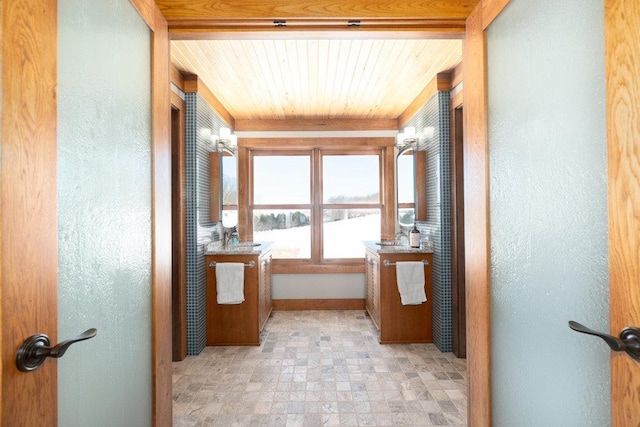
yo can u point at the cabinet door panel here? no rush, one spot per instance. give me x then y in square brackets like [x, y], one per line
[403, 323]
[233, 324]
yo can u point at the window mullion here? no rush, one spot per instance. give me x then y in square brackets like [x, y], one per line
[316, 199]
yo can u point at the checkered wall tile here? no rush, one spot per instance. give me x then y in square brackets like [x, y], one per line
[435, 113]
[200, 231]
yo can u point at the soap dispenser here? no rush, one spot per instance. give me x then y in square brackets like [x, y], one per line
[234, 236]
[414, 237]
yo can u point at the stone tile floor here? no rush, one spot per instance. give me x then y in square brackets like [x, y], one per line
[320, 368]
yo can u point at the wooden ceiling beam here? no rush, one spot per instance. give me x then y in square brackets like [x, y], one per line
[203, 32]
[179, 10]
[193, 84]
[215, 29]
[243, 19]
[442, 82]
[315, 124]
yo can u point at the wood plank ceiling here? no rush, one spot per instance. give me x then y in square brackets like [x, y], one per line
[316, 65]
[315, 78]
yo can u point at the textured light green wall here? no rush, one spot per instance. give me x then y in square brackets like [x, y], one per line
[548, 214]
[104, 213]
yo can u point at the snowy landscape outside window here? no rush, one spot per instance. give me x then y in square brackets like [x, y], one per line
[317, 205]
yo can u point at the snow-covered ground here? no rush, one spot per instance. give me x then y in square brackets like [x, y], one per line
[342, 239]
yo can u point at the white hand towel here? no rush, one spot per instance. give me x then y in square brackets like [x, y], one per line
[230, 282]
[410, 278]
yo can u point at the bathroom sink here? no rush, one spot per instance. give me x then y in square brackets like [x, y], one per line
[244, 245]
[387, 243]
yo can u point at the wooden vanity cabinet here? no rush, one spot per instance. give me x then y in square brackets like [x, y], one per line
[397, 323]
[240, 324]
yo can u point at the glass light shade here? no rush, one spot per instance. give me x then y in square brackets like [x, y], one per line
[409, 132]
[407, 137]
[232, 141]
[226, 139]
[224, 133]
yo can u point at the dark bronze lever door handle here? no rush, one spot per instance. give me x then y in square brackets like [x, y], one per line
[35, 349]
[628, 342]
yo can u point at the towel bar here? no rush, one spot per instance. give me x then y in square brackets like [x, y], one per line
[250, 264]
[388, 263]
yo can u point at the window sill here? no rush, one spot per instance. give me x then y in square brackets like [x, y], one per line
[284, 267]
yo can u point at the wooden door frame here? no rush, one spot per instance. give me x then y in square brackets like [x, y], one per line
[179, 222]
[161, 248]
[476, 197]
[458, 305]
[476, 177]
[476, 229]
[477, 206]
[622, 57]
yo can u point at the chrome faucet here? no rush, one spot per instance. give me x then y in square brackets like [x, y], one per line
[401, 238]
[230, 236]
[226, 237]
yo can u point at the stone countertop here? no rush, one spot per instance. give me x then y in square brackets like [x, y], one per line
[382, 249]
[242, 248]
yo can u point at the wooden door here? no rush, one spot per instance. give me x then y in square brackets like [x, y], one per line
[29, 228]
[622, 59]
[622, 30]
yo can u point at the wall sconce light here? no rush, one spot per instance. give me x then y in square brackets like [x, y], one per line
[409, 137]
[205, 133]
[227, 139]
[223, 140]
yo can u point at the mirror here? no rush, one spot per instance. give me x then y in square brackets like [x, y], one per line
[224, 187]
[215, 205]
[405, 187]
[229, 188]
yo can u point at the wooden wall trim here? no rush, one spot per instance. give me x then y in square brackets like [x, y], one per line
[2, 196]
[179, 187]
[389, 191]
[476, 207]
[162, 381]
[394, 30]
[458, 311]
[441, 82]
[183, 11]
[456, 75]
[317, 304]
[246, 19]
[176, 77]
[287, 267]
[245, 177]
[192, 84]
[456, 100]
[314, 125]
[308, 143]
[162, 400]
[490, 10]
